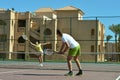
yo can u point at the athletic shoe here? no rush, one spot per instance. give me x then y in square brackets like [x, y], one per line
[79, 73]
[69, 74]
[40, 65]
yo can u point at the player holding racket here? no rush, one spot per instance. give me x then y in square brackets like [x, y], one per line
[38, 47]
[68, 42]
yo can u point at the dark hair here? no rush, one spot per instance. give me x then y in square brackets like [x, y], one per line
[59, 32]
[38, 41]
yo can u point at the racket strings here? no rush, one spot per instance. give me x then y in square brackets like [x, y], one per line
[48, 52]
[24, 37]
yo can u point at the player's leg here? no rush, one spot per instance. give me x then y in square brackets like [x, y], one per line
[69, 62]
[76, 59]
[40, 57]
[78, 65]
[77, 62]
[71, 54]
[37, 56]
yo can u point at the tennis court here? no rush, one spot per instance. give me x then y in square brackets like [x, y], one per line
[19, 70]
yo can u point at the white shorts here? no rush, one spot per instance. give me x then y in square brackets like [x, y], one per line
[39, 53]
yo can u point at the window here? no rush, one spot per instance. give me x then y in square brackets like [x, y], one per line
[21, 23]
[21, 40]
[12, 22]
[2, 29]
[2, 46]
[92, 48]
[3, 38]
[47, 31]
[99, 48]
[92, 32]
[2, 22]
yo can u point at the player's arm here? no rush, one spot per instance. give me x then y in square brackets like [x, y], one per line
[45, 43]
[64, 48]
[32, 43]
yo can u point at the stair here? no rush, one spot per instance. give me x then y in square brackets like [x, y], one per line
[34, 34]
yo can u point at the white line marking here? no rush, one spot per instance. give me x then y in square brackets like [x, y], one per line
[118, 78]
[12, 71]
[0, 79]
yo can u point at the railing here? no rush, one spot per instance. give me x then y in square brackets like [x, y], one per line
[111, 57]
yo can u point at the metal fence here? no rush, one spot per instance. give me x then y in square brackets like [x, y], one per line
[70, 25]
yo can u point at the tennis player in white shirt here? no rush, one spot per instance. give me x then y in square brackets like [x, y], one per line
[68, 42]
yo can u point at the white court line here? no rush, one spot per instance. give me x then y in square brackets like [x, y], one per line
[118, 78]
[12, 71]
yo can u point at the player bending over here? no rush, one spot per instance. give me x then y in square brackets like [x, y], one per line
[68, 42]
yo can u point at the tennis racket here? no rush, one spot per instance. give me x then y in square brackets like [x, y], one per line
[49, 51]
[25, 37]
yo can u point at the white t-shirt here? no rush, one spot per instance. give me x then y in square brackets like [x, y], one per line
[70, 40]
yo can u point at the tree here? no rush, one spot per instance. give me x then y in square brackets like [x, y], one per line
[116, 29]
[108, 37]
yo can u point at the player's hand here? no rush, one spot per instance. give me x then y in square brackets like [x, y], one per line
[48, 42]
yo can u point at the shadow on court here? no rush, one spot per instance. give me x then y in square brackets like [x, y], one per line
[40, 74]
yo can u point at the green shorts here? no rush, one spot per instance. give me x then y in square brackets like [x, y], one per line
[74, 51]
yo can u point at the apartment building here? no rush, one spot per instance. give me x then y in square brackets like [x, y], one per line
[41, 26]
[7, 21]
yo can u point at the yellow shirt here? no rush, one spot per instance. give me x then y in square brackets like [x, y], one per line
[39, 48]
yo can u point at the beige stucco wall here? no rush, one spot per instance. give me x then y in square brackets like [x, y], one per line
[9, 17]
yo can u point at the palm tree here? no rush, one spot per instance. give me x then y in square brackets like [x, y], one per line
[118, 26]
[108, 37]
[116, 29]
